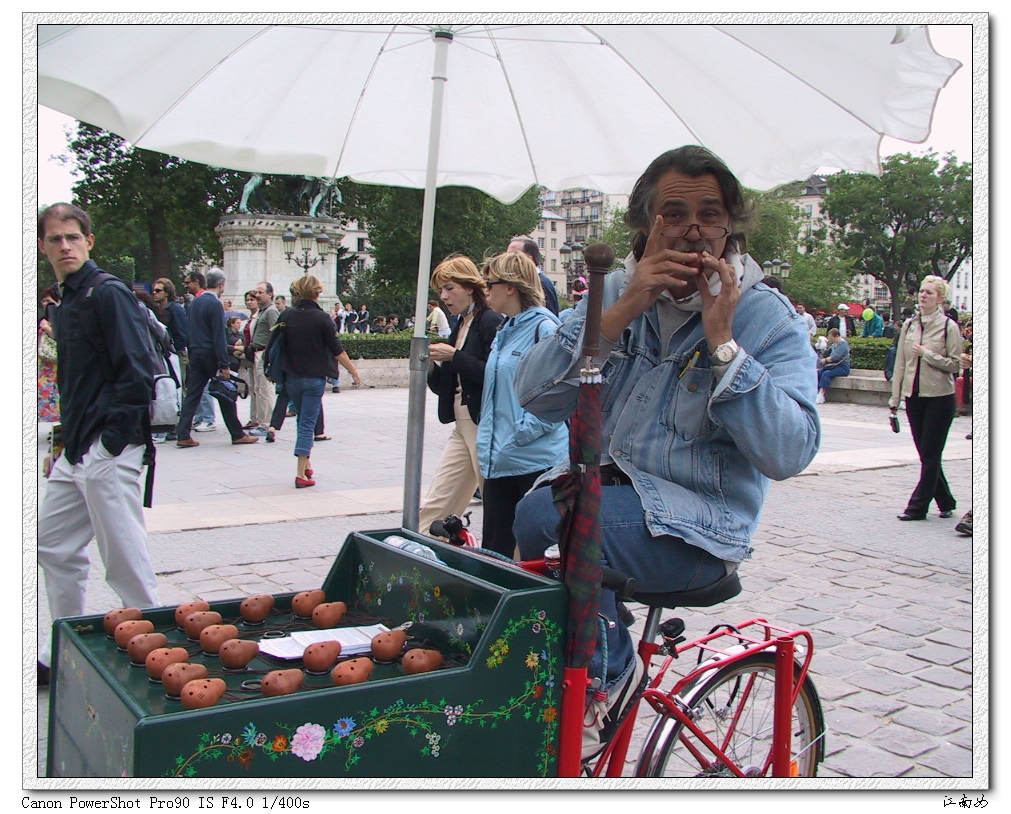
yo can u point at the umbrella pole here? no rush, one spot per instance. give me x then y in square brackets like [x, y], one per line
[419, 342]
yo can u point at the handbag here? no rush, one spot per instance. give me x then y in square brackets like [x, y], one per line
[47, 347]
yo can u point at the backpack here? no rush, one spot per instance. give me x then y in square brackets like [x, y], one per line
[166, 397]
[163, 413]
[273, 354]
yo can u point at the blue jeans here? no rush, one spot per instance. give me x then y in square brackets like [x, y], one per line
[826, 375]
[307, 396]
[658, 564]
[205, 409]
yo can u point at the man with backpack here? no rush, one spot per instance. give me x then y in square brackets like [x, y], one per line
[105, 382]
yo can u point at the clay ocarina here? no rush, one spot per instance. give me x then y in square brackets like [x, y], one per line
[319, 657]
[187, 608]
[303, 603]
[195, 622]
[203, 692]
[114, 617]
[175, 676]
[352, 671]
[162, 657]
[254, 609]
[282, 682]
[143, 643]
[125, 631]
[328, 614]
[237, 653]
[387, 646]
[213, 636]
[420, 660]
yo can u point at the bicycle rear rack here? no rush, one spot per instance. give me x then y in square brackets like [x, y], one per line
[725, 645]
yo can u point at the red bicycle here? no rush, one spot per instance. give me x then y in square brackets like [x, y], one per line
[748, 708]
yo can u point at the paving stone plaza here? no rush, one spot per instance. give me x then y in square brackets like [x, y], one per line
[890, 604]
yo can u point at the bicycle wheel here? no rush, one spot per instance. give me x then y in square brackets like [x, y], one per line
[733, 707]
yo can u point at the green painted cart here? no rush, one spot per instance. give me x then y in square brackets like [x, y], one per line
[499, 628]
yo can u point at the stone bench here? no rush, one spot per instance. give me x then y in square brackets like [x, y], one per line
[380, 372]
[862, 386]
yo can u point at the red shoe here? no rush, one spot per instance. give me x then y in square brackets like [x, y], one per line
[302, 483]
[308, 473]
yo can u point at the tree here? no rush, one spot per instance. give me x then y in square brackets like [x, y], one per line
[819, 279]
[912, 220]
[775, 228]
[155, 208]
[467, 221]
[616, 232]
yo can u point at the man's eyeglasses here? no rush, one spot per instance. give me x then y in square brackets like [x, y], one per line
[157, 290]
[705, 232]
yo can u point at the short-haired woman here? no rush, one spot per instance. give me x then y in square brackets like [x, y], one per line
[514, 447]
[312, 352]
[457, 377]
[926, 360]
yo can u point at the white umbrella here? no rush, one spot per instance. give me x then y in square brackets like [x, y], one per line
[496, 107]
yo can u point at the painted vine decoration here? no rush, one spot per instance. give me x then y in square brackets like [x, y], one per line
[432, 723]
[424, 599]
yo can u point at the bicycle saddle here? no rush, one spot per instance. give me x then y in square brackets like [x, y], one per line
[725, 588]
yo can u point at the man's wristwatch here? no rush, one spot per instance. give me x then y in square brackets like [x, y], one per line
[724, 353]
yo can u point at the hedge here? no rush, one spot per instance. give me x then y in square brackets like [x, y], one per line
[868, 353]
[865, 353]
[377, 346]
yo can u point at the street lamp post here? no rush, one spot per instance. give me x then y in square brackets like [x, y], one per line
[565, 250]
[577, 262]
[777, 268]
[306, 237]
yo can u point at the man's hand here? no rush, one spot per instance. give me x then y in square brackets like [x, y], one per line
[225, 373]
[718, 311]
[659, 269]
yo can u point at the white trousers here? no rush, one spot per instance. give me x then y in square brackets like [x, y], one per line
[262, 393]
[459, 473]
[100, 498]
[246, 372]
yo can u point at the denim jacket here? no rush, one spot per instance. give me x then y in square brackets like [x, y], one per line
[699, 448]
[511, 441]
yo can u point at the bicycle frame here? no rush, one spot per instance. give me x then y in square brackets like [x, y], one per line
[741, 645]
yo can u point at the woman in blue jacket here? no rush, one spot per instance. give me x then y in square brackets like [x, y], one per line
[513, 446]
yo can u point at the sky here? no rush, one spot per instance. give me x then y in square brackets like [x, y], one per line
[951, 126]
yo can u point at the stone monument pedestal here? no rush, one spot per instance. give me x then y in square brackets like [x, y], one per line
[254, 252]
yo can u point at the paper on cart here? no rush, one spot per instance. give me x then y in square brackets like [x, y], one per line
[354, 641]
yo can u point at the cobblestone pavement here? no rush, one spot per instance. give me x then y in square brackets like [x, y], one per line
[890, 604]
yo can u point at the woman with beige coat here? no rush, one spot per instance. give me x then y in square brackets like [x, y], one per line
[925, 363]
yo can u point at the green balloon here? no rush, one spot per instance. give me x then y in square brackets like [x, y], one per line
[868, 314]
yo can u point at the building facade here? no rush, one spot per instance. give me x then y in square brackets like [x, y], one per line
[810, 200]
[576, 216]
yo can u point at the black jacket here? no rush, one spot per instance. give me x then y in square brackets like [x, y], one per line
[176, 322]
[310, 342]
[207, 330]
[89, 403]
[466, 367]
[851, 325]
[550, 295]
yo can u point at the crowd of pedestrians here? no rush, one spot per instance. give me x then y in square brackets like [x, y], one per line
[508, 436]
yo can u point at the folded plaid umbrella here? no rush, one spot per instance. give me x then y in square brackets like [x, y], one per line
[577, 497]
